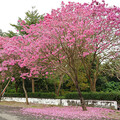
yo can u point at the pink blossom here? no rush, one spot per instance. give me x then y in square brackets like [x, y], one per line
[68, 33]
[46, 73]
[23, 21]
[3, 80]
[12, 79]
[70, 112]
[46, 76]
[18, 20]
[1, 69]
[85, 54]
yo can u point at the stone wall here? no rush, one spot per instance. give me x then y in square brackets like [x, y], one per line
[65, 102]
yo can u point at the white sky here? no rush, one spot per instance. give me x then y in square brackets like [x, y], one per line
[10, 10]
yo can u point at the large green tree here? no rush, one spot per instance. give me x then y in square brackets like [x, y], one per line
[112, 67]
[31, 17]
[1, 33]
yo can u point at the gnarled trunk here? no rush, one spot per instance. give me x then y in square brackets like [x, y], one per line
[26, 96]
[80, 95]
[93, 86]
[93, 82]
[2, 93]
[61, 80]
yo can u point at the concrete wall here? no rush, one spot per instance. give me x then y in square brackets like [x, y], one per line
[65, 102]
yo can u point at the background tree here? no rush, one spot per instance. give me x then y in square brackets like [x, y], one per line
[1, 33]
[109, 75]
[87, 33]
[75, 33]
[10, 34]
[112, 67]
[31, 17]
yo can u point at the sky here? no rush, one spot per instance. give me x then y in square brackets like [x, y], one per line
[10, 10]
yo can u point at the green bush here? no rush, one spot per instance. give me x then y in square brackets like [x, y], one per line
[60, 97]
[41, 95]
[72, 95]
[95, 96]
[31, 95]
[14, 95]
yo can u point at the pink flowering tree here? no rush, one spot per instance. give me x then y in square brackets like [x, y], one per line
[75, 33]
[91, 31]
[20, 56]
[5, 73]
[11, 60]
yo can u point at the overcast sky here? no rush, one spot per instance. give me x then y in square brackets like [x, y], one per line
[10, 10]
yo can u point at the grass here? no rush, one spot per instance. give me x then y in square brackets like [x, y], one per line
[23, 105]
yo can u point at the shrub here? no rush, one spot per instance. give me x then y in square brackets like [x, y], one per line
[14, 95]
[41, 95]
[31, 95]
[95, 95]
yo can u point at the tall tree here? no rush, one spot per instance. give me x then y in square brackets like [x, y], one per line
[31, 17]
[1, 33]
[70, 35]
[112, 67]
[10, 34]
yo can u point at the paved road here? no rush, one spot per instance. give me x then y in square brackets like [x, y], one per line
[12, 113]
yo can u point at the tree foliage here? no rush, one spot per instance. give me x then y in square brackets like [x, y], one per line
[112, 67]
[31, 17]
[1, 33]
[73, 34]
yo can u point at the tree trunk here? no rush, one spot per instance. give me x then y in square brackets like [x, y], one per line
[46, 86]
[0, 89]
[55, 88]
[61, 80]
[16, 87]
[80, 95]
[93, 82]
[1, 93]
[93, 86]
[33, 86]
[26, 96]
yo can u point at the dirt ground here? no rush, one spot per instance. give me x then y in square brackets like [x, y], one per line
[23, 105]
[7, 108]
[11, 111]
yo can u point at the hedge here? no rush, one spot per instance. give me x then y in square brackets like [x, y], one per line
[72, 95]
[42, 95]
[31, 95]
[95, 96]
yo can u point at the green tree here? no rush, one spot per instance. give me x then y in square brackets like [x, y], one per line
[10, 34]
[112, 68]
[32, 17]
[112, 86]
[1, 33]
[109, 75]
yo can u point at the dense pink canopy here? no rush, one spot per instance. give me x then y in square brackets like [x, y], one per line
[74, 29]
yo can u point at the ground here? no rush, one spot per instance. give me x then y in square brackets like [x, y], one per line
[21, 111]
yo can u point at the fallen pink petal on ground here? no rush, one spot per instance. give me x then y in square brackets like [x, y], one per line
[70, 112]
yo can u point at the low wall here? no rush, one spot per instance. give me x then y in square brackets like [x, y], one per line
[65, 102]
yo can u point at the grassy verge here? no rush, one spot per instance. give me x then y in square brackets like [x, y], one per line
[23, 105]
